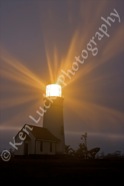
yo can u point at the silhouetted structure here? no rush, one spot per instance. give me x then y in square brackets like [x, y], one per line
[53, 120]
[49, 139]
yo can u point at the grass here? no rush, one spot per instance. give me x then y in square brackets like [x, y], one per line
[55, 170]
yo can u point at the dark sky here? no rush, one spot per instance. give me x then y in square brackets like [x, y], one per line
[41, 38]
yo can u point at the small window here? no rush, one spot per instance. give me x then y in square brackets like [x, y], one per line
[41, 146]
[51, 147]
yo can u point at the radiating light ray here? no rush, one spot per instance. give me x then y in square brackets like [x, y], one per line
[50, 67]
[115, 135]
[56, 62]
[53, 63]
[96, 114]
[13, 76]
[115, 45]
[14, 119]
[113, 140]
[71, 50]
[111, 49]
[98, 134]
[14, 101]
[16, 71]
[90, 17]
[9, 128]
[80, 36]
[20, 88]
[92, 113]
[66, 62]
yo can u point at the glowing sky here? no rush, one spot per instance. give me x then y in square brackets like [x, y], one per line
[39, 40]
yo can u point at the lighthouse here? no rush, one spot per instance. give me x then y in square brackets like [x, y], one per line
[53, 118]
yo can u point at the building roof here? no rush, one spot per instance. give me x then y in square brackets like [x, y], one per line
[40, 133]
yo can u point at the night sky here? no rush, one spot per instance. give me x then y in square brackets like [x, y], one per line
[40, 40]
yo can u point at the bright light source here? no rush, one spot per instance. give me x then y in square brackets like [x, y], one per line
[53, 90]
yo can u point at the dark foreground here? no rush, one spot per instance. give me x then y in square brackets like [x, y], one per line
[60, 171]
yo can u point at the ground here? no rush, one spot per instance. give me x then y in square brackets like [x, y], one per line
[62, 171]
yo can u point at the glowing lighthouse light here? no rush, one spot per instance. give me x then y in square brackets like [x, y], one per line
[53, 90]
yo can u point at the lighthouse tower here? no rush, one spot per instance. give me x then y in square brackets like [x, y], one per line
[53, 117]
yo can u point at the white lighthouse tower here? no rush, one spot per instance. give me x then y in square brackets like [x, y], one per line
[53, 117]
